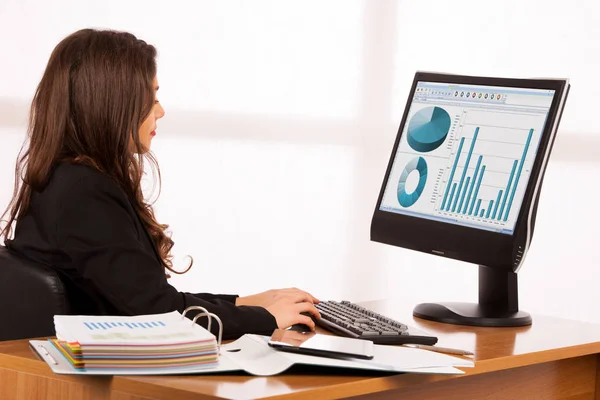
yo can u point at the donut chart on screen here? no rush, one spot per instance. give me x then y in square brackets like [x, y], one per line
[428, 129]
[408, 199]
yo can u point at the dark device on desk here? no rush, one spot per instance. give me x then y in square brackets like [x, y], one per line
[464, 181]
[320, 345]
[354, 321]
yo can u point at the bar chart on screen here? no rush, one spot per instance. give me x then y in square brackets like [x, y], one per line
[489, 167]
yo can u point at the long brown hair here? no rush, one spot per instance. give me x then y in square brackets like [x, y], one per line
[95, 93]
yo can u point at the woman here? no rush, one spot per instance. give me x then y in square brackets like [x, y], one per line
[79, 207]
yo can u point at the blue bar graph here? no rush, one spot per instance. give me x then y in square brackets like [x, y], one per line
[451, 195]
[462, 141]
[497, 202]
[514, 189]
[487, 215]
[477, 191]
[472, 185]
[462, 178]
[512, 175]
[131, 325]
[462, 198]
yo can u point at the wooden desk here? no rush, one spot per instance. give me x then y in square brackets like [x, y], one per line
[552, 359]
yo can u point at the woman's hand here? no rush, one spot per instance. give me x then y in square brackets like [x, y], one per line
[265, 298]
[288, 313]
[286, 305]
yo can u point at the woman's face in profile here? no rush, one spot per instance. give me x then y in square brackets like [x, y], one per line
[148, 127]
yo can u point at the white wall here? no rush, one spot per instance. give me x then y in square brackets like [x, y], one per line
[280, 120]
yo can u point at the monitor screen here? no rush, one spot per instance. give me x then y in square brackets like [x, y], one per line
[466, 154]
[464, 180]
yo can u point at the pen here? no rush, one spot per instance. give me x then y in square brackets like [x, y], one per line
[48, 354]
[442, 349]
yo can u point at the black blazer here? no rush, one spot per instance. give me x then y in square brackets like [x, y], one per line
[83, 225]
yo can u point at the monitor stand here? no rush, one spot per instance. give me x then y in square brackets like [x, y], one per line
[498, 303]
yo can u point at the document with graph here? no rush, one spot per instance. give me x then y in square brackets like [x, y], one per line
[170, 344]
[161, 343]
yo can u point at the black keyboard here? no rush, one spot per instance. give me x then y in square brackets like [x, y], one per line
[351, 320]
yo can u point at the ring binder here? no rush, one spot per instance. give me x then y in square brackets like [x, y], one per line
[210, 316]
[193, 308]
[154, 343]
[204, 313]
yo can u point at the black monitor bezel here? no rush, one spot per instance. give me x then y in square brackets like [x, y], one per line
[460, 242]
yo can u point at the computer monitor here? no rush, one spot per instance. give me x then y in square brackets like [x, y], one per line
[464, 181]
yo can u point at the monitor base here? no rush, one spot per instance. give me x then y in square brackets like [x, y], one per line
[470, 314]
[498, 303]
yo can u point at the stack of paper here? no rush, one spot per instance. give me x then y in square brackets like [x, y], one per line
[252, 354]
[161, 342]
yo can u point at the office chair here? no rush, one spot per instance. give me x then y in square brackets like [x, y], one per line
[30, 295]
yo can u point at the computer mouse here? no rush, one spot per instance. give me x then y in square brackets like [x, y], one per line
[303, 327]
[300, 328]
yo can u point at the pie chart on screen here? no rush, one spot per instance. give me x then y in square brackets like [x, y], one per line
[428, 129]
[405, 198]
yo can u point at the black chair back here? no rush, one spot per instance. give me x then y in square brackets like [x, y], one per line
[30, 295]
